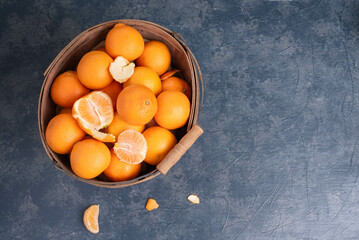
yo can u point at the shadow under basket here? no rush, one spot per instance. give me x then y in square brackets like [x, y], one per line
[182, 58]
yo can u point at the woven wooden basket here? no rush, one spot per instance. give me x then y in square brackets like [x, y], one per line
[182, 58]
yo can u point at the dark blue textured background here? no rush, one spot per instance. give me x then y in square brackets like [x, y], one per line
[279, 156]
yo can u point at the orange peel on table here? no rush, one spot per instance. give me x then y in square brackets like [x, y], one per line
[151, 204]
[193, 199]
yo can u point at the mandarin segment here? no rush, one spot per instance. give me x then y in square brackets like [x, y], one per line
[93, 70]
[90, 218]
[131, 147]
[136, 104]
[62, 133]
[67, 88]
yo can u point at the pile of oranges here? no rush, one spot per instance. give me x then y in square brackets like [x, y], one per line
[119, 107]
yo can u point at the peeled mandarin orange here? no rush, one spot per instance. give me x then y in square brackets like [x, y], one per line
[119, 170]
[91, 218]
[125, 41]
[67, 88]
[131, 147]
[176, 84]
[173, 109]
[155, 56]
[89, 158]
[136, 104]
[118, 125]
[112, 90]
[94, 112]
[62, 133]
[93, 70]
[159, 142]
[147, 77]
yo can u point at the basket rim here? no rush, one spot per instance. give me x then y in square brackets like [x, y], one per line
[153, 173]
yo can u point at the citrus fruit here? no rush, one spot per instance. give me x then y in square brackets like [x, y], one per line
[173, 109]
[93, 112]
[102, 49]
[151, 204]
[91, 218]
[159, 142]
[62, 133]
[67, 88]
[119, 170]
[118, 125]
[125, 41]
[93, 70]
[155, 56]
[176, 84]
[131, 147]
[89, 158]
[147, 77]
[136, 104]
[112, 90]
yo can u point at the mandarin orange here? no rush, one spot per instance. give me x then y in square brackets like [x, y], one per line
[156, 56]
[125, 41]
[176, 84]
[136, 104]
[147, 77]
[62, 133]
[89, 158]
[119, 170]
[67, 88]
[93, 70]
[159, 142]
[173, 109]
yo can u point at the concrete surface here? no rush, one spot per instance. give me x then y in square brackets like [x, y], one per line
[279, 156]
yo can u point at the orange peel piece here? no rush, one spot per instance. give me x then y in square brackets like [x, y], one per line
[169, 74]
[193, 199]
[121, 69]
[151, 204]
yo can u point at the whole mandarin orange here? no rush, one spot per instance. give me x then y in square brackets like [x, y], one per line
[156, 56]
[67, 88]
[62, 133]
[93, 70]
[136, 104]
[125, 41]
[173, 109]
[159, 142]
[147, 77]
[89, 158]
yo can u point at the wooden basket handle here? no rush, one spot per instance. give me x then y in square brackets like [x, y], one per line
[177, 152]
